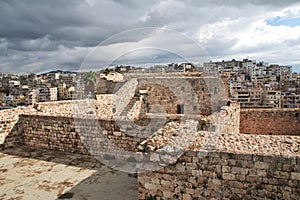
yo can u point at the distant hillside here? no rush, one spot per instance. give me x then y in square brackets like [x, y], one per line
[59, 71]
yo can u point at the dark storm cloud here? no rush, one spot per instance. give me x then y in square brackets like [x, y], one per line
[38, 35]
[75, 21]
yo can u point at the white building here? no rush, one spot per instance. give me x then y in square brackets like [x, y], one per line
[53, 94]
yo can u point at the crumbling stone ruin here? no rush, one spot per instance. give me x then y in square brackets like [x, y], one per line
[178, 133]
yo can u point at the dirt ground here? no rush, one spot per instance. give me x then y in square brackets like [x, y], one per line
[27, 173]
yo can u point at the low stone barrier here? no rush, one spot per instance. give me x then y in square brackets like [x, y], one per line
[223, 175]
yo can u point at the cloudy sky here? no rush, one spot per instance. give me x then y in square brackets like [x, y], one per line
[38, 36]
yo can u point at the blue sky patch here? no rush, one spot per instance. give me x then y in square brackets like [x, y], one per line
[279, 21]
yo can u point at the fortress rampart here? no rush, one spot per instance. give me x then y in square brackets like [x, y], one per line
[238, 166]
[219, 160]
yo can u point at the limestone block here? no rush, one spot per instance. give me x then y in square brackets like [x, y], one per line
[228, 176]
[253, 179]
[226, 169]
[295, 175]
[186, 197]
[117, 133]
[261, 165]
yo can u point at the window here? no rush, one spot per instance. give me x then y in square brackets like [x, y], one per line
[180, 109]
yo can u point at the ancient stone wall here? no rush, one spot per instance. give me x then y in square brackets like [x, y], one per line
[184, 95]
[77, 135]
[226, 120]
[9, 119]
[270, 121]
[107, 86]
[221, 175]
[122, 97]
[100, 108]
[14, 137]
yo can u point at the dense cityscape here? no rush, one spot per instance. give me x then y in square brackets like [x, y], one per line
[252, 84]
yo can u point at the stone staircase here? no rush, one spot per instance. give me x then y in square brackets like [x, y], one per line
[130, 105]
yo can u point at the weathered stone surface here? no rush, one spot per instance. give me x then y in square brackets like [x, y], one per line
[232, 181]
[228, 176]
[257, 121]
[117, 133]
[295, 175]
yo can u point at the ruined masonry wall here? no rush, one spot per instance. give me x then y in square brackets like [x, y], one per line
[122, 97]
[76, 135]
[197, 95]
[221, 175]
[8, 121]
[226, 120]
[101, 107]
[270, 121]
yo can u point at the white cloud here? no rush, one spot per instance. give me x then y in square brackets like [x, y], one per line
[253, 36]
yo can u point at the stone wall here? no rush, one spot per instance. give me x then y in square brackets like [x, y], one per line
[195, 131]
[75, 134]
[122, 97]
[270, 121]
[101, 108]
[221, 175]
[9, 119]
[226, 120]
[227, 172]
[14, 137]
[194, 95]
[105, 86]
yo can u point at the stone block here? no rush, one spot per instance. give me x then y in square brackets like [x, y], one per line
[287, 167]
[238, 170]
[253, 179]
[186, 197]
[295, 176]
[154, 157]
[261, 165]
[238, 191]
[261, 173]
[167, 177]
[240, 177]
[117, 133]
[231, 162]
[236, 184]
[197, 172]
[165, 182]
[226, 169]
[281, 174]
[150, 186]
[209, 174]
[167, 195]
[228, 176]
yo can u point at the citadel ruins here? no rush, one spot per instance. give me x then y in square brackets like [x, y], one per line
[178, 132]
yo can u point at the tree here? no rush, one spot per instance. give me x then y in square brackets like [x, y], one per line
[107, 71]
[90, 82]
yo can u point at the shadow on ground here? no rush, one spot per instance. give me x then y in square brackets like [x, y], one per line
[28, 173]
